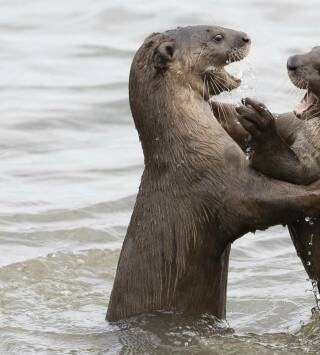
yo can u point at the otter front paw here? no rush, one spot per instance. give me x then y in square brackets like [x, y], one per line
[257, 120]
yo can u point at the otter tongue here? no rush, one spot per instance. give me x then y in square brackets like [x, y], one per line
[303, 106]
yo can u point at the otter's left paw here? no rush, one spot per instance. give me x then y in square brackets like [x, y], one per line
[257, 120]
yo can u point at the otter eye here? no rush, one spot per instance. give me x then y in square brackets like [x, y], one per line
[218, 38]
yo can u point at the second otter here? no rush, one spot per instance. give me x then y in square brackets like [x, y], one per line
[289, 148]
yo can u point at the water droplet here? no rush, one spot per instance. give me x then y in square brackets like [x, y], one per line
[248, 152]
[316, 292]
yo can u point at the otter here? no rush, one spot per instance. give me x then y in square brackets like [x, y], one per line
[287, 146]
[198, 193]
[292, 152]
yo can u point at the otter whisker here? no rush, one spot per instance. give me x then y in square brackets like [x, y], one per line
[214, 86]
[220, 86]
[236, 56]
[207, 78]
[208, 90]
[200, 54]
[223, 115]
[219, 81]
[292, 92]
[203, 87]
[220, 105]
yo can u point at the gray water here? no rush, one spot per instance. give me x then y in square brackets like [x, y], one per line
[70, 169]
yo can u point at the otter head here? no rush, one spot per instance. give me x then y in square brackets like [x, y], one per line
[174, 70]
[197, 55]
[304, 72]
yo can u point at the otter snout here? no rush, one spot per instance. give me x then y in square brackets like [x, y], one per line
[246, 39]
[298, 71]
[243, 40]
[292, 63]
[304, 70]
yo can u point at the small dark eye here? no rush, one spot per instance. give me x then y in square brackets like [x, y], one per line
[218, 38]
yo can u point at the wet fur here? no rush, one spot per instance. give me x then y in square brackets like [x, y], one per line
[197, 193]
[289, 150]
[303, 166]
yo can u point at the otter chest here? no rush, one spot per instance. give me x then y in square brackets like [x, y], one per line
[307, 143]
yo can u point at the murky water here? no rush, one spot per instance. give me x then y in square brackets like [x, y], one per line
[70, 169]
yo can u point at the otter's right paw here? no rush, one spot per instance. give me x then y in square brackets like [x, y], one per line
[257, 120]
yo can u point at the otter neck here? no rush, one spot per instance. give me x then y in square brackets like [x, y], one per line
[170, 118]
[312, 113]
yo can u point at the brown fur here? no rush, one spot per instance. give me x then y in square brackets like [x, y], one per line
[197, 192]
[287, 148]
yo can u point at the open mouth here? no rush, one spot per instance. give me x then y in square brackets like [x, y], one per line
[218, 79]
[306, 104]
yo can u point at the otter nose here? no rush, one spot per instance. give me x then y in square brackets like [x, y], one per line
[246, 39]
[291, 64]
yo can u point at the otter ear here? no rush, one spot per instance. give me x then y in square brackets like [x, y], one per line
[163, 54]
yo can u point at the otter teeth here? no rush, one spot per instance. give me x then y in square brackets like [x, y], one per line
[222, 72]
[213, 69]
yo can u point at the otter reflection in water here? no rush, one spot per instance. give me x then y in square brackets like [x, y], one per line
[198, 193]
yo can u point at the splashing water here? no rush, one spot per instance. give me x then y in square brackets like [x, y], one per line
[244, 72]
[316, 293]
[309, 220]
[314, 283]
[248, 152]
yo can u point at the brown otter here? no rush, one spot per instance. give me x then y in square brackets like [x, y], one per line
[197, 193]
[287, 147]
[293, 153]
